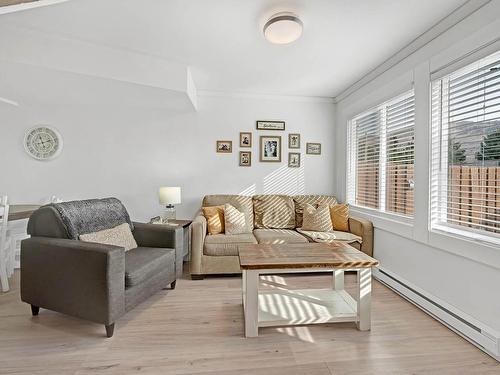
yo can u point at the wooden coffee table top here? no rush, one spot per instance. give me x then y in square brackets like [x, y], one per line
[307, 255]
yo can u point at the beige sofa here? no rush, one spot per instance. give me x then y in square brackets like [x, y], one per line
[270, 219]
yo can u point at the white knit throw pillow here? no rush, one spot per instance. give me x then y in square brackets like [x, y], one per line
[317, 219]
[234, 220]
[120, 235]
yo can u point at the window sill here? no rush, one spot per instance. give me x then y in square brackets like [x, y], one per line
[400, 225]
[468, 245]
[462, 244]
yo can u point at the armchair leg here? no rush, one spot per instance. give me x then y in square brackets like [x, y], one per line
[197, 277]
[35, 310]
[110, 329]
[172, 284]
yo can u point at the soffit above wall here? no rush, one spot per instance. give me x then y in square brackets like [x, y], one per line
[26, 47]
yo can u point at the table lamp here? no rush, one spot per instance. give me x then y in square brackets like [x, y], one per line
[168, 197]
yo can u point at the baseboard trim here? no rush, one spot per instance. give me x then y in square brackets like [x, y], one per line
[478, 334]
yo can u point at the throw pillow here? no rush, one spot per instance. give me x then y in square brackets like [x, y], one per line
[317, 219]
[120, 235]
[340, 217]
[215, 219]
[234, 220]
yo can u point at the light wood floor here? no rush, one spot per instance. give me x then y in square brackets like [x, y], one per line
[198, 329]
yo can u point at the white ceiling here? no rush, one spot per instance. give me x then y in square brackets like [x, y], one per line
[221, 40]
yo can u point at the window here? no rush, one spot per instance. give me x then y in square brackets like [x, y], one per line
[381, 157]
[465, 162]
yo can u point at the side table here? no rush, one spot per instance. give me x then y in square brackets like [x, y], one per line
[186, 226]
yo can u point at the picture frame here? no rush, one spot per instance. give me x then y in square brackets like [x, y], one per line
[293, 140]
[245, 159]
[270, 125]
[313, 148]
[245, 139]
[224, 147]
[270, 149]
[294, 159]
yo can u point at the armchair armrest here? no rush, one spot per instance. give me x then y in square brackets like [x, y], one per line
[198, 234]
[82, 279]
[363, 228]
[157, 235]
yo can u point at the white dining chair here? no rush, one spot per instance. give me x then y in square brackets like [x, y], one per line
[5, 244]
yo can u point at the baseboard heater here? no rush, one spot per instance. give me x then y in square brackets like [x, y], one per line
[485, 338]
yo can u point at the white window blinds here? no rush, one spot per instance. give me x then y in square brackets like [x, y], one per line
[465, 169]
[381, 157]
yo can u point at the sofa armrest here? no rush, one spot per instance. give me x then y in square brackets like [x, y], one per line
[82, 279]
[363, 228]
[158, 235]
[198, 234]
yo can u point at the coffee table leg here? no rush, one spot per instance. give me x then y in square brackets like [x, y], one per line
[338, 279]
[364, 298]
[251, 304]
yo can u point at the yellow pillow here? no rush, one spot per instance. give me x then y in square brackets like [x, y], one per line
[215, 219]
[340, 217]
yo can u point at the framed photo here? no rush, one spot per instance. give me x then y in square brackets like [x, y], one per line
[225, 146]
[245, 158]
[294, 159]
[313, 148]
[270, 125]
[293, 140]
[270, 148]
[245, 139]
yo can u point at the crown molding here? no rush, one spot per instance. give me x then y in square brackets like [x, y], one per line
[425, 38]
[251, 95]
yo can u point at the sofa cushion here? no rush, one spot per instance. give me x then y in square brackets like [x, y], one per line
[314, 200]
[274, 212]
[215, 219]
[226, 244]
[142, 263]
[278, 236]
[317, 219]
[234, 220]
[340, 217]
[240, 202]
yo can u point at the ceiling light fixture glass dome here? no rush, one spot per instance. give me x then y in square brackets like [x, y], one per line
[283, 28]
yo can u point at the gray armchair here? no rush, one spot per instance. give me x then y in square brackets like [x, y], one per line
[92, 281]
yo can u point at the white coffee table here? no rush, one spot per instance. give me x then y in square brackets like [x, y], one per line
[281, 306]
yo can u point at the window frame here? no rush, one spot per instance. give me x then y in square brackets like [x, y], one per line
[352, 161]
[439, 163]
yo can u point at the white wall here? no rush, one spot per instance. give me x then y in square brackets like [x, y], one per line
[122, 140]
[460, 272]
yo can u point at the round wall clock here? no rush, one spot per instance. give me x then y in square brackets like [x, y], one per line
[43, 142]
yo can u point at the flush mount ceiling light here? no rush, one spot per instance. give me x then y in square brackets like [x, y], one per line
[283, 28]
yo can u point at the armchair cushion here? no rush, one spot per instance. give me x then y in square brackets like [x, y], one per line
[120, 235]
[143, 263]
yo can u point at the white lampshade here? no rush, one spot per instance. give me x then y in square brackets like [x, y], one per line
[170, 195]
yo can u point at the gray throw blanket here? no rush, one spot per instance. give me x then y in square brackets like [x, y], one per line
[91, 215]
